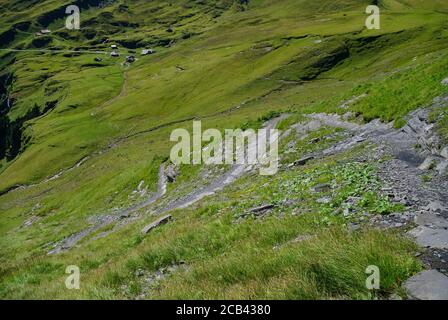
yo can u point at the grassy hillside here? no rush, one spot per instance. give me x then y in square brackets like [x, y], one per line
[78, 136]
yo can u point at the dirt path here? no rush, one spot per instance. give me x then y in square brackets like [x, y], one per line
[235, 172]
[125, 215]
[402, 175]
[122, 93]
[106, 220]
[116, 142]
[416, 176]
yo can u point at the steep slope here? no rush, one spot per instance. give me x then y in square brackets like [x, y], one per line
[78, 136]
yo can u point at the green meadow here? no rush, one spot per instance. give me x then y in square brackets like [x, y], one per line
[81, 135]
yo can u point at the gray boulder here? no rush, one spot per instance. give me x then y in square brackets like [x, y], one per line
[430, 238]
[171, 173]
[322, 187]
[442, 167]
[156, 223]
[430, 220]
[427, 285]
[435, 206]
[428, 164]
[444, 152]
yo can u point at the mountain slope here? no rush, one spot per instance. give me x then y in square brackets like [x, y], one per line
[78, 136]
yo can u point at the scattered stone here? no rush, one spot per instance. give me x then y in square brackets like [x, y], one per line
[288, 202]
[435, 206]
[156, 223]
[322, 187]
[352, 201]
[149, 280]
[348, 115]
[146, 52]
[428, 164]
[430, 238]
[427, 285]
[430, 220]
[258, 212]
[324, 200]
[444, 152]
[139, 273]
[445, 82]
[125, 215]
[303, 161]
[30, 221]
[291, 144]
[404, 201]
[442, 167]
[262, 208]
[141, 191]
[353, 227]
[172, 172]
